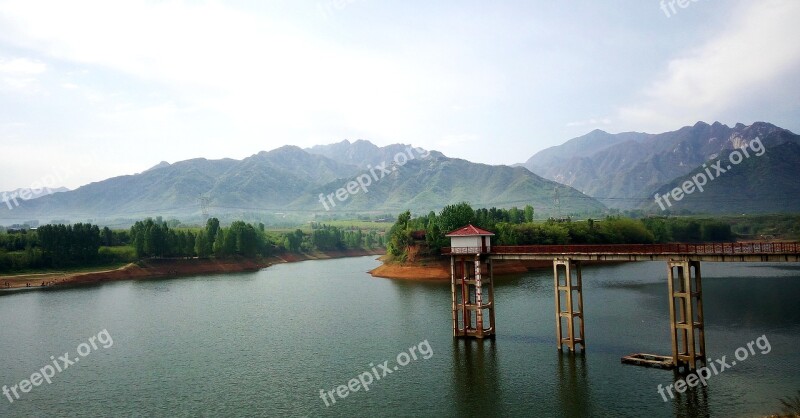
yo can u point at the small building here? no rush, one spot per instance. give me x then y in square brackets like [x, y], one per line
[470, 240]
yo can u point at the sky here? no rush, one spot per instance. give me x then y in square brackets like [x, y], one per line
[95, 89]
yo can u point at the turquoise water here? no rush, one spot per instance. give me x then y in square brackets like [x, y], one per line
[265, 343]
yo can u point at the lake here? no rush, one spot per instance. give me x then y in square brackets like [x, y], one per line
[267, 343]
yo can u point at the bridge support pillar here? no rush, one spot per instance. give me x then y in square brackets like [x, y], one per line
[472, 288]
[686, 314]
[569, 304]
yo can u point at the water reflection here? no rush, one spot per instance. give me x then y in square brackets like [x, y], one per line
[693, 402]
[306, 326]
[477, 380]
[573, 389]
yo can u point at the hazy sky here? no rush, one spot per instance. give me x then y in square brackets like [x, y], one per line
[94, 89]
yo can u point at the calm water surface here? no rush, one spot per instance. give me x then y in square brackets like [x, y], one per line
[265, 343]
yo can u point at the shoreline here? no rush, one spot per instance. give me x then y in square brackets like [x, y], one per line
[435, 270]
[431, 269]
[166, 268]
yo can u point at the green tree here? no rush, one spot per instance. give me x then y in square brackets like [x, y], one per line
[243, 239]
[515, 216]
[108, 237]
[399, 235]
[229, 242]
[212, 227]
[716, 231]
[218, 248]
[293, 240]
[528, 213]
[189, 244]
[686, 231]
[659, 228]
[455, 216]
[434, 237]
[625, 231]
[201, 244]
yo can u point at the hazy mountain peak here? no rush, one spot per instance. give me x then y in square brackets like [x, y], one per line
[286, 148]
[359, 153]
[292, 179]
[763, 125]
[157, 166]
[624, 167]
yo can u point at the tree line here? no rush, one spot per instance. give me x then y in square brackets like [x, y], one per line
[330, 238]
[516, 227]
[52, 246]
[56, 246]
[156, 239]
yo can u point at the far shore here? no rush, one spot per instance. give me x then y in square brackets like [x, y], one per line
[434, 269]
[155, 268]
[438, 269]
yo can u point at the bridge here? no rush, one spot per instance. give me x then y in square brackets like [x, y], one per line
[472, 285]
[770, 252]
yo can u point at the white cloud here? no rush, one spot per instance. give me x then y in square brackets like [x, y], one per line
[21, 73]
[207, 78]
[753, 52]
[21, 67]
[266, 76]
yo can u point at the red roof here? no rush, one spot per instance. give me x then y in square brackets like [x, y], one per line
[469, 231]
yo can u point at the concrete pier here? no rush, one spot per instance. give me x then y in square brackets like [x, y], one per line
[471, 257]
[568, 286]
[472, 288]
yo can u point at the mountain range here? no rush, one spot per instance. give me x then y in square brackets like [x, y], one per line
[583, 177]
[28, 193]
[306, 183]
[626, 170]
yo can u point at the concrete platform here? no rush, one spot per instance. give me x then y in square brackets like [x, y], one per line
[649, 360]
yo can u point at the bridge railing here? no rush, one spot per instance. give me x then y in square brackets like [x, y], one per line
[727, 248]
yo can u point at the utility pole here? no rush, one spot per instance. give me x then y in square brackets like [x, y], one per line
[557, 202]
[203, 201]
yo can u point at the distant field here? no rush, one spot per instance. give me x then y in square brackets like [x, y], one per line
[363, 225]
[368, 225]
